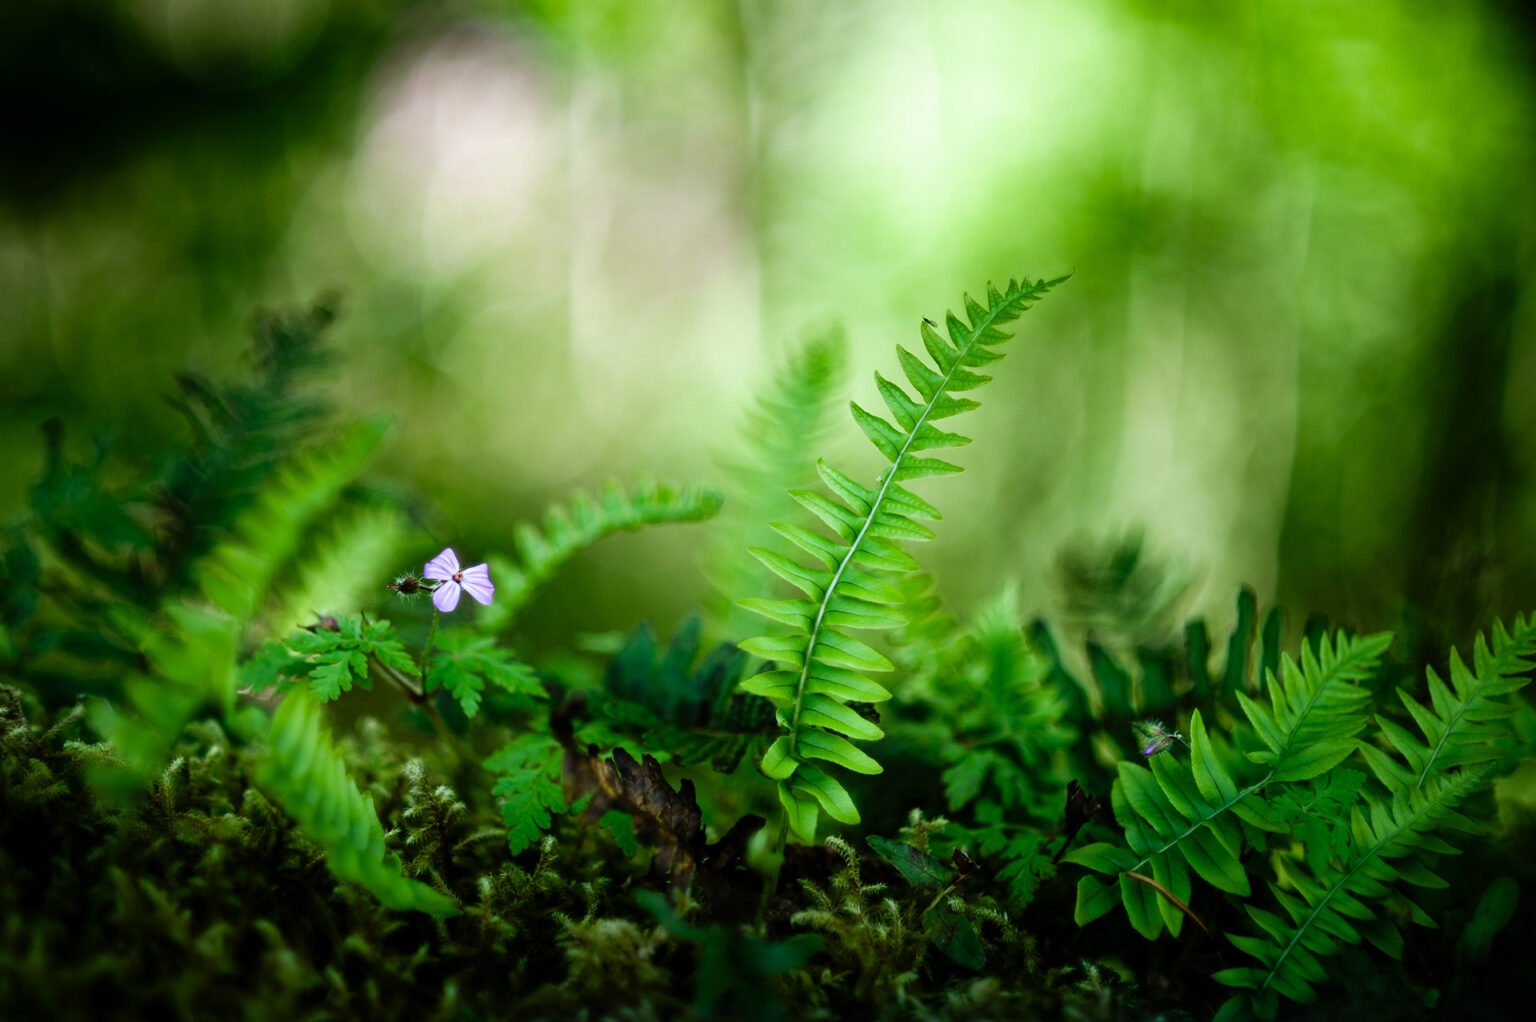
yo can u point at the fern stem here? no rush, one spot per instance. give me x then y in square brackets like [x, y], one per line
[887, 481]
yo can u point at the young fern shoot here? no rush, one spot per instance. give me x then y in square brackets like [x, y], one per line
[820, 668]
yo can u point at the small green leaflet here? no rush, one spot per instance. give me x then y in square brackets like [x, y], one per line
[529, 787]
[464, 662]
[335, 660]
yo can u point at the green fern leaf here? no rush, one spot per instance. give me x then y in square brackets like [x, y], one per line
[570, 528]
[1315, 711]
[331, 660]
[1181, 818]
[236, 575]
[463, 663]
[528, 787]
[339, 573]
[305, 775]
[846, 589]
[1328, 908]
[1461, 724]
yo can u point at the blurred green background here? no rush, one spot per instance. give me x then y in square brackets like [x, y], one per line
[574, 239]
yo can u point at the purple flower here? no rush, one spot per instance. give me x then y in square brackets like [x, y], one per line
[1154, 737]
[450, 578]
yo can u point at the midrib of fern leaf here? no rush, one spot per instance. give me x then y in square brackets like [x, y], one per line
[868, 525]
[876, 428]
[1311, 726]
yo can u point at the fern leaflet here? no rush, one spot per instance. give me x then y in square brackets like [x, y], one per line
[307, 776]
[529, 787]
[822, 667]
[463, 663]
[571, 528]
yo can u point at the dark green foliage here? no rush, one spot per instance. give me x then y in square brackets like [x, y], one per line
[820, 667]
[996, 729]
[678, 706]
[915, 865]
[241, 430]
[1332, 906]
[1460, 726]
[1335, 841]
[485, 837]
[735, 970]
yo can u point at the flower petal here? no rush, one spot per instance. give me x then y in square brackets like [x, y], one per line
[477, 583]
[444, 566]
[446, 597]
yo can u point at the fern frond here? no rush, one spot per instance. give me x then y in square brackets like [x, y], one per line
[332, 659]
[780, 435]
[463, 662]
[1333, 906]
[529, 787]
[1460, 723]
[821, 666]
[1315, 711]
[237, 574]
[570, 528]
[305, 775]
[191, 652]
[684, 708]
[1178, 817]
[339, 575]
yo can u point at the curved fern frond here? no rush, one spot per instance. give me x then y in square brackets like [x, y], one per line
[1460, 724]
[237, 574]
[1315, 711]
[570, 528]
[779, 437]
[1334, 905]
[822, 668]
[305, 775]
[1178, 817]
[191, 652]
[339, 574]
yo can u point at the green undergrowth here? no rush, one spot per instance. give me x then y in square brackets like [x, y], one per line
[247, 769]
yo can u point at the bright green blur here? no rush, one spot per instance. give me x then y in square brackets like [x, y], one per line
[1298, 351]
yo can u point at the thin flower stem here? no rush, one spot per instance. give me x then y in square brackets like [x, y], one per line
[426, 653]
